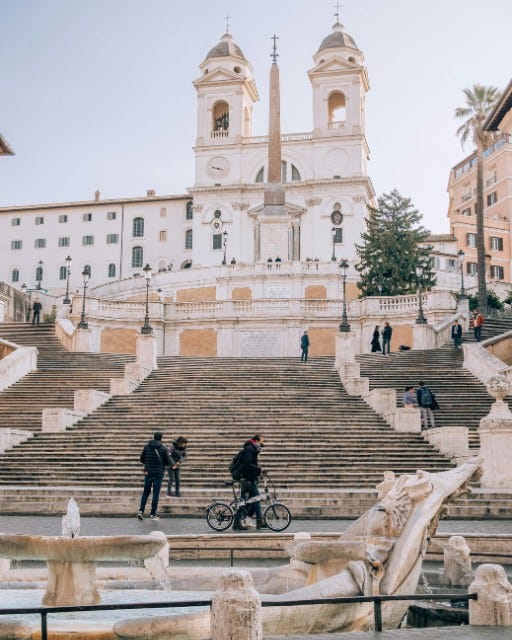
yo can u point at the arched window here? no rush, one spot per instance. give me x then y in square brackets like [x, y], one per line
[137, 257]
[295, 174]
[189, 213]
[63, 273]
[287, 169]
[111, 270]
[39, 274]
[260, 175]
[188, 239]
[336, 110]
[138, 228]
[15, 275]
[186, 265]
[220, 115]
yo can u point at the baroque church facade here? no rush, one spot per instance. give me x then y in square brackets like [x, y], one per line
[323, 172]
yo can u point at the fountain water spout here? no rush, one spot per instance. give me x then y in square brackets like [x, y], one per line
[71, 521]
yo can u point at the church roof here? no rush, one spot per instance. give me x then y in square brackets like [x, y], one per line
[226, 47]
[5, 149]
[337, 39]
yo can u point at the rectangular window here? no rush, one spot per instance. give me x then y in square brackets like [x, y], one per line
[466, 212]
[338, 235]
[111, 215]
[163, 236]
[163, 212]
[466, 196]
[471, 268]
[451, 265]
[64, 242]
[40, 243]
[497, 272]
[16, 244]
[471, 240]
[87, 217]
[87, 240]
[496, 243]
[492, 198]
[217, 241]
[39, 220]
[15, 222]
[112, 238]
[63, 218]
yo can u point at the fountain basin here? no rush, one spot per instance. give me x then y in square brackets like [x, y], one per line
[72, 561]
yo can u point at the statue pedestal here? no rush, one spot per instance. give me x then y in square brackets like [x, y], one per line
[344, 348]
[146, 351]
[82, 340]
[495, 433]
[422, 337]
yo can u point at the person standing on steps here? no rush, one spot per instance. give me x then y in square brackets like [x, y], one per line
[178, 455]
[425, 400]
[250, 473]
[478, 323]
[375, 344]
[304, 345]
[456, 334]
[36, 311]
[387, 332]
[154, 457]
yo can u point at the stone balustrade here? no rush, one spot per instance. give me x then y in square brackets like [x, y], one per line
[11, 437]
[482, 364]
[452, 441]
[57, 419]
[16, 363]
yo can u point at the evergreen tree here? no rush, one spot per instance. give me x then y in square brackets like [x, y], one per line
[391, 249]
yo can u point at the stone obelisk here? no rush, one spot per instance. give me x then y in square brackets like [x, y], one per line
[274, 223]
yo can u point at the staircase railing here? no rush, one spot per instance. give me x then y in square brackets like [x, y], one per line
[16, 362]
[483, 359]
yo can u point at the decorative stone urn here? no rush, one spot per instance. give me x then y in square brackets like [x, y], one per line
[496, 437]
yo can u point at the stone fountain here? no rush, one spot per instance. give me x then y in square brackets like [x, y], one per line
[71, 560]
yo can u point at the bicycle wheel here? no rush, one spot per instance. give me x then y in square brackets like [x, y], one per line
[277, 517]
[219, 516]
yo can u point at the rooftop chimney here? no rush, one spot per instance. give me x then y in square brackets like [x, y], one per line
[97, 195]
[150, 193]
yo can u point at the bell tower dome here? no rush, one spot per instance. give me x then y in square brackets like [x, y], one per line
[226, 94]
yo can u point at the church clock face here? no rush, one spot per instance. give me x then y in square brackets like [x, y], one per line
[217, 167]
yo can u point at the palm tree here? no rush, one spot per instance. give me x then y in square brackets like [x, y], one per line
[479, 102]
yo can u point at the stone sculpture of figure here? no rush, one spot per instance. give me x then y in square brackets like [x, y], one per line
[457, 562]
[494, 604]
[71, 521]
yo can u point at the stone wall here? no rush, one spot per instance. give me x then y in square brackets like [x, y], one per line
[118, 340]
[198, 294]
[198, 342]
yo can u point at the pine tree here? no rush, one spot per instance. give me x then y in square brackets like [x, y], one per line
[391, 249]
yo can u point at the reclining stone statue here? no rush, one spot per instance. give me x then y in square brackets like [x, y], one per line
[380, 553]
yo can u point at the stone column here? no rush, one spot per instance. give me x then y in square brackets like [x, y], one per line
[147, 350]
[345, 348]
[423, 336]
[236, 608]
[82, 340]
[257, 242]
[494, 605]
[495, 433]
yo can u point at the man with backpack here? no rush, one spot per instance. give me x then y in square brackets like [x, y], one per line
[249, 471]
[154, 457]
[426, 401]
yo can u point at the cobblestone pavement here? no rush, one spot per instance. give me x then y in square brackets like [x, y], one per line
[91, 526]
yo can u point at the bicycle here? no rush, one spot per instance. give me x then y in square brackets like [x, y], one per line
[220, 515]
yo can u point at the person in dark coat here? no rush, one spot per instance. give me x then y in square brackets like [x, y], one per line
[387, 332]
[178, 456]
[250, 474]
[376, 341]
[154, 457]
[304, 345]
[456, 334]
[36, 311]
[425, 400]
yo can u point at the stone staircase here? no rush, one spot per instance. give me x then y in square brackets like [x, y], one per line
[59, 374]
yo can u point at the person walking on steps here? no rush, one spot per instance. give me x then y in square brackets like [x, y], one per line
[387, 332]
[250, 473]
[36, 311]
[154, 457]
[178, 455]
[456, 334]
[375, 344]
[478, 323]
[426, 402]
[304, 345]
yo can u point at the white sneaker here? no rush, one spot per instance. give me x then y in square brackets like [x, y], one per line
[154, 518]
[249, 523]
[140, 515]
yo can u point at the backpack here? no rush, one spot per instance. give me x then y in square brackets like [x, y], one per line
[427, 398]
[235, 466]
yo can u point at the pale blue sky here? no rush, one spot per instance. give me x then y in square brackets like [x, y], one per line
[97, 94]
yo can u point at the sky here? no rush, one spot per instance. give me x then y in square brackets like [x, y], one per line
[97, 94]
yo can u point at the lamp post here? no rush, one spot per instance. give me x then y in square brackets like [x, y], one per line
[225, 242]
[68, 271]
[462, 255]
[86, 275]
[39, 274]
[421, 318]
[344, 326]
[333, 257]
[146, 328]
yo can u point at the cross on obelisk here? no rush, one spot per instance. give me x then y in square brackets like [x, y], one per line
[274, 55]
[337, 6]
[227, 19]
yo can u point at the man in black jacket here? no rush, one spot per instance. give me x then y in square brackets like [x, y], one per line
[251, 471]
[154, 457]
